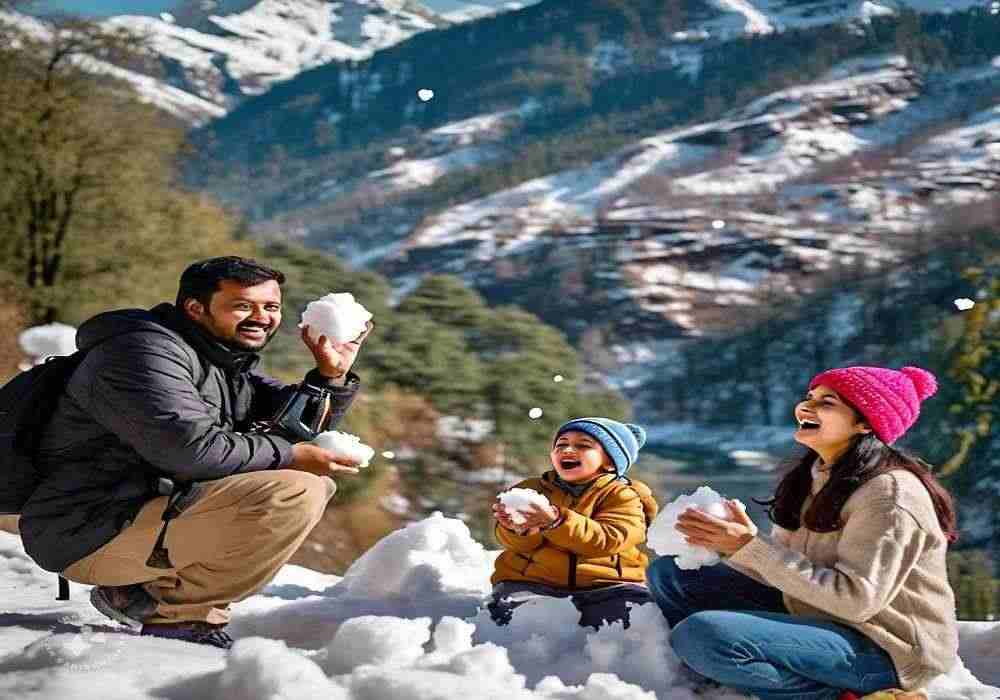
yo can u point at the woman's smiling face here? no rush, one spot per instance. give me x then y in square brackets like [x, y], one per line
[826, 423]
[578, 457]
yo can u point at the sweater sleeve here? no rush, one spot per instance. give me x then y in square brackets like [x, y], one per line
[880, 544]
[617, 526]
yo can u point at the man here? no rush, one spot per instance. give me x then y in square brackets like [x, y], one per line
[155, 488]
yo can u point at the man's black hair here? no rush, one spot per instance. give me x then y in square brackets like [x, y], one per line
[201, 279]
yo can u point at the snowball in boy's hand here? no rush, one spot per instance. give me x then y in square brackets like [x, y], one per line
[346, 446]
[516, 501]
[665, 539]
[337, 316]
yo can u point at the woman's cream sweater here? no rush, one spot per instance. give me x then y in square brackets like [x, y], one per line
[883, 573]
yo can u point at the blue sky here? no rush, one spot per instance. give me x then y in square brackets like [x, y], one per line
[106, 8]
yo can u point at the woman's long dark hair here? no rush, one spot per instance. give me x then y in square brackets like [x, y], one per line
[865, 458]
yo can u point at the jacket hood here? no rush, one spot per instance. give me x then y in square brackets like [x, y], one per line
[164, 319]
[112, 323]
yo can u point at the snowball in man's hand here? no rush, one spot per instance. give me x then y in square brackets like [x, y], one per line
[665, 539]
[425, 95]
[40, 342]
[337, 316]
[345, 446]
[518, 501]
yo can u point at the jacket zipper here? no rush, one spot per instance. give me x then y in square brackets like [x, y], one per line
[572, 571]
[618, 564]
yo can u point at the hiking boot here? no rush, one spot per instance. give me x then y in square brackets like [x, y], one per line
[129, 605]
[193, 631]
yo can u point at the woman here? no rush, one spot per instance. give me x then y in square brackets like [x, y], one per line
[849, 595]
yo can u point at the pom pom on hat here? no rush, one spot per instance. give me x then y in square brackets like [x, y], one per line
[888, 399]
[925, 383]
[621, 441]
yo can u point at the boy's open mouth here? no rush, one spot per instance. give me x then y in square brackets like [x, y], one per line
[808, 424]
[569, 463]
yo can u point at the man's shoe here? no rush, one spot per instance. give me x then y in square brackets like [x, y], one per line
[194, 631]
[129, 605]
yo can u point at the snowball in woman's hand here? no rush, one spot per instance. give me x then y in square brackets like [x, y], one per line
[337, 316]
[345, 445]
[665, 539]
[518, 501]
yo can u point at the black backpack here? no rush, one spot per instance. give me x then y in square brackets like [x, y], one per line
[27, 404]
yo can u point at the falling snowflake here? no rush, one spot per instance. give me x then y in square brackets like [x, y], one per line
[558, 378]
[389, 454]
[718, 224]
[535, 413]
[425, 95]
[964, 304]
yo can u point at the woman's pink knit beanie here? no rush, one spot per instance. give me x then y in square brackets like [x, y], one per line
[888, 399]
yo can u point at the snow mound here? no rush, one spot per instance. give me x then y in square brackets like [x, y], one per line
[363, 639]
[436, 556]
[41, 342]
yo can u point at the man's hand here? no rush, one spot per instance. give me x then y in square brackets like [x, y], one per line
[307, 457]
[334, 360]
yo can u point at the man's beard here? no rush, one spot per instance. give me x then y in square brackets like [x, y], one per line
[238, 345]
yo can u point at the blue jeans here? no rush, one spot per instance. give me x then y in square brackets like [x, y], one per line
[734, 630]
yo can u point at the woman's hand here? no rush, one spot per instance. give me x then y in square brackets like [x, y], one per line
[722, 536]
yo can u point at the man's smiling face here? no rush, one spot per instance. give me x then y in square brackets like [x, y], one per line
[578, 457]
[242, 318]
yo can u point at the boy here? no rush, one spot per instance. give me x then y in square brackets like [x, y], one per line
[585, 543]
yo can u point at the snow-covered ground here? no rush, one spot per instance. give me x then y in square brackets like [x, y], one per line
[403, 623]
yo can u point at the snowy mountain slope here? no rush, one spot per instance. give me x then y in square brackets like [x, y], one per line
[404, 622]
[214, 61]
[766, 16]
[182, 104]
[715, 216]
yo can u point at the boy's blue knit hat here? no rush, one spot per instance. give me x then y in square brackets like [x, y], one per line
[622, 441]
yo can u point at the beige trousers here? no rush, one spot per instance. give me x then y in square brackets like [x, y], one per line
[224, 547]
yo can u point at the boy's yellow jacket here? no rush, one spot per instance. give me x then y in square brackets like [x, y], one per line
[595, 545]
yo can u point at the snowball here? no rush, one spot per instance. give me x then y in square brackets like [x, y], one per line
[337, 316]
[964, 304]
[377, 639]
[425, 94]
[345, 445]
[665, 539]
[518, 501]
[535, 413]
[45, 341]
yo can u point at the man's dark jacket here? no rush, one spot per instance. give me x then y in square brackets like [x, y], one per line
[139, 407]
